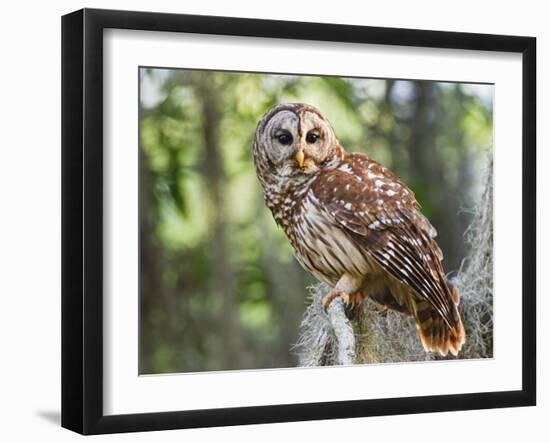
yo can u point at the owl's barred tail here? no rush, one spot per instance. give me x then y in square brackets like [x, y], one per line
[435, 333]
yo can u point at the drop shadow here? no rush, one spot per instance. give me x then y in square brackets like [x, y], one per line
[54, 417]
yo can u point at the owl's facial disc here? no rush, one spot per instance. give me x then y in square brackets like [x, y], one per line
[297, 140]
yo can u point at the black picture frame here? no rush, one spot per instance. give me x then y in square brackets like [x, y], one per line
[82, 220]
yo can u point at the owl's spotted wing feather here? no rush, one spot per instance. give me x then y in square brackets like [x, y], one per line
[381, 214]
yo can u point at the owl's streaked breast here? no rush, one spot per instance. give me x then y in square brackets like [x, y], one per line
[322, 247]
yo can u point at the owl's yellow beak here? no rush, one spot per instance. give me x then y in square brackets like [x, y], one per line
[300, 157]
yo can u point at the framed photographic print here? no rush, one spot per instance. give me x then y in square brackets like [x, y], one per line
[255, 210]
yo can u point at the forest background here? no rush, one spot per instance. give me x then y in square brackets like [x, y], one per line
[219, 287]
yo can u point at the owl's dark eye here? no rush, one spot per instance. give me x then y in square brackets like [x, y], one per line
[285, 138]
[312, 137]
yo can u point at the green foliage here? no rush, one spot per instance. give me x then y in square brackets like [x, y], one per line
[220, 288]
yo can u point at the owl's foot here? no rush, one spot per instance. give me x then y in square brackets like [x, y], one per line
[354, 305]
[352, 302]
[327, 299]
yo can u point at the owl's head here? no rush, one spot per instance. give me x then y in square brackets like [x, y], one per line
[294, 140]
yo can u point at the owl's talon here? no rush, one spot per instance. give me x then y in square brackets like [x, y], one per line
[352, 302]
[327, 299]
[352, 308]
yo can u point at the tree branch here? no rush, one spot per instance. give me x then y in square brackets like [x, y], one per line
[343, 331]
[326, 338]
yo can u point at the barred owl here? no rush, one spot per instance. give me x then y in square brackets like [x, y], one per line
[354, 225]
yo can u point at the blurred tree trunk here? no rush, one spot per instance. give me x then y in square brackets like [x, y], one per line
[149, 267]
[286, 294]
[222, 279]
[427, 163]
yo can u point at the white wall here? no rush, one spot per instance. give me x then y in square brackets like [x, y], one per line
[30, 218]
